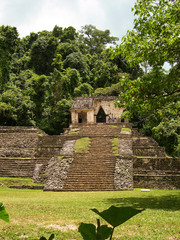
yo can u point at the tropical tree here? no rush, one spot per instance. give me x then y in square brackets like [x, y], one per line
[153, 99]
[8, 43]
[42, 54]
[155, 38]
[94, 40]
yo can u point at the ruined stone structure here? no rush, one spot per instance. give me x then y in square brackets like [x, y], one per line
[118, 157]
[95, 110]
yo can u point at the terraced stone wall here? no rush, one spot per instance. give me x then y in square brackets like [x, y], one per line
[158, 173]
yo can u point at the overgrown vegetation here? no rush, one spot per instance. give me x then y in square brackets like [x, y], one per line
[126, 129]
[7, 182]
[82, 145]
[115, 146]
[42, 73]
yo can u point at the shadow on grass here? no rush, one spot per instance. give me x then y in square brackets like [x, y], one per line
[167, 202]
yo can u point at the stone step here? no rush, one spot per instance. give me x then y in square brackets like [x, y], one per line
[81, 167]
[88, 188]
[155, 173]
[88, 185]
[16, 130]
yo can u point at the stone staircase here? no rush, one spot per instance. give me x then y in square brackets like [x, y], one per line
[100, 129]
[93, 171]
[100, 169]
[29, 152]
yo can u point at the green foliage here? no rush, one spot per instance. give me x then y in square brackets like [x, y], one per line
[153, 99]
[114, 90]
[95, 40]
[8, 44]
[115, 145]
[56, 118]
[70, 81]
[115, 216]
[149, 103]
[3, 214]
[84, 89]
[41, 73]
[15, 107]
[42, 54]
[90, 232]
[168, 134]
[126, 129]
[50, 238]
[7, 182]
[155, 37]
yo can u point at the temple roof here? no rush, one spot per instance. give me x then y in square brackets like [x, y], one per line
[81, 103]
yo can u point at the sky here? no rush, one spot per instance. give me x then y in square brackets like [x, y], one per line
[37, 15]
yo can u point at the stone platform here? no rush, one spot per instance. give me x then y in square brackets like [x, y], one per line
[118, 158]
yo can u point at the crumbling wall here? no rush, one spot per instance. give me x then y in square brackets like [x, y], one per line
[58, 167]
[123, 174]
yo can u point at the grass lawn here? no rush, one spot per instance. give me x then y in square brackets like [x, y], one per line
[34, 213]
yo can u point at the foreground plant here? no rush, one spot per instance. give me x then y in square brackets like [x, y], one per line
[115, 216]
[50, 238]
[3, 214]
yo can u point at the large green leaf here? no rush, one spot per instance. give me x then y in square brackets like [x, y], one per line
[103, 232]
[115, 216]
[50, 238]
[87, 231]
[3, 214]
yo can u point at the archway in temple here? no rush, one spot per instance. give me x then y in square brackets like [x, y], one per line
[82, 117]
[101, 116]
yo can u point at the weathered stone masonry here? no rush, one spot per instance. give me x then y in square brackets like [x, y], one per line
[140, 162]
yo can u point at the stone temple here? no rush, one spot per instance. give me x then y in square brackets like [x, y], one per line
[91, 110]
[116, 156]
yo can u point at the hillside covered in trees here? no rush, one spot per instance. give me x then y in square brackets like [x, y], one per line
[42, 73]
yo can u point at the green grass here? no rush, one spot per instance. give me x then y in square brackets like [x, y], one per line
[6, 182]
[82, 145]
[115, 145]
[34, 213]
[126, 129]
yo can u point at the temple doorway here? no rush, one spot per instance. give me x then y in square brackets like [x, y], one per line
[101, 116]
[82, 117]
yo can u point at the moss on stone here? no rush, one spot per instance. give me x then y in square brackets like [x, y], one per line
[113, 126]
[82, 145]
[115, 145]
[126, 129]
